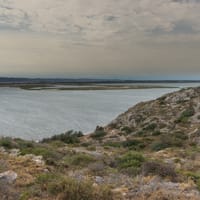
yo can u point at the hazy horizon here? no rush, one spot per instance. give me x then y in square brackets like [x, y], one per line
[109, 78]
[143, 39]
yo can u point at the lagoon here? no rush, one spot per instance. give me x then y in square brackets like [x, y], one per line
[35, 114]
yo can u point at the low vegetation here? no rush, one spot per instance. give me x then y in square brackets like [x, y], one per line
[160, 169]
[65, 188]
[176, 139]
[99, 133]
[185, 115]
[131, 163]
[70, 137]
[134, 144]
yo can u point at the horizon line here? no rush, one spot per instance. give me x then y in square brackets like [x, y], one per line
[98, 79]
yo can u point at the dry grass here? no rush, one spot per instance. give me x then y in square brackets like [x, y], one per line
[26, 168]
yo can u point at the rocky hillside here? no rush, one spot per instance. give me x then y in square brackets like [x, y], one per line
[178, 111]
[174, 113]
[151, 152]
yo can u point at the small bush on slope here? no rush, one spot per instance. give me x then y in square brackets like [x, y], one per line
[78, 160]
[131, 163]
[185, 115]
[69, 137]
[176, 139]
[160, 169]
[7, 143]
[99, 133]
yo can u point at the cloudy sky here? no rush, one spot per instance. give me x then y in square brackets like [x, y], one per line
[107, 38]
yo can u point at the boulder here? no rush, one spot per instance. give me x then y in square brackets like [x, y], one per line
[8, 176]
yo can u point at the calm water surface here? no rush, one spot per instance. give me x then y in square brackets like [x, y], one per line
[38, 114]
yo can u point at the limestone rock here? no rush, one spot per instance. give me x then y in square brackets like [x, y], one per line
[37, 159]
[14, 152]
[8, 176]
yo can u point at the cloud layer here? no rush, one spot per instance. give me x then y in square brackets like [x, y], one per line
[134, 37]
[92, 20]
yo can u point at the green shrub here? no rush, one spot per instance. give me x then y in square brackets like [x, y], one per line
[11, 143]
[70, 137]
[7, 143]
[25, 196]
[162, 98]
[141, 133]
[131, 163]
[97, 168]
[161, 169]
[126, 129]
[171, 140]
[99, 133]
[48, 153]
[42, 179]
[86, 144]
[3, 165]
[185, 115]
[113, 144]
[24, 144]
[133, 144]
[139, 119]
[181, 120]
[91, 148]
[131, 159]
[180, 135]
[157, 146]
[57, 143]
[27, 147]
[195, 177]
[188, 112]
[82, 159]
[79, 160]
[150, 127]
[162, 102]
[156, 133]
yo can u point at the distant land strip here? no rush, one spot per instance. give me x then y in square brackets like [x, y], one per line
[86, 84]
[83, 86]
[13, 80]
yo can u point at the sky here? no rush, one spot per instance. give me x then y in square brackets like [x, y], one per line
[107, 38]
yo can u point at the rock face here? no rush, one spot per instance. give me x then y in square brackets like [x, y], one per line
[175, 112]
[8, 177]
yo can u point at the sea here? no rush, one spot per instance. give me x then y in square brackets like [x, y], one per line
[37, 114]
